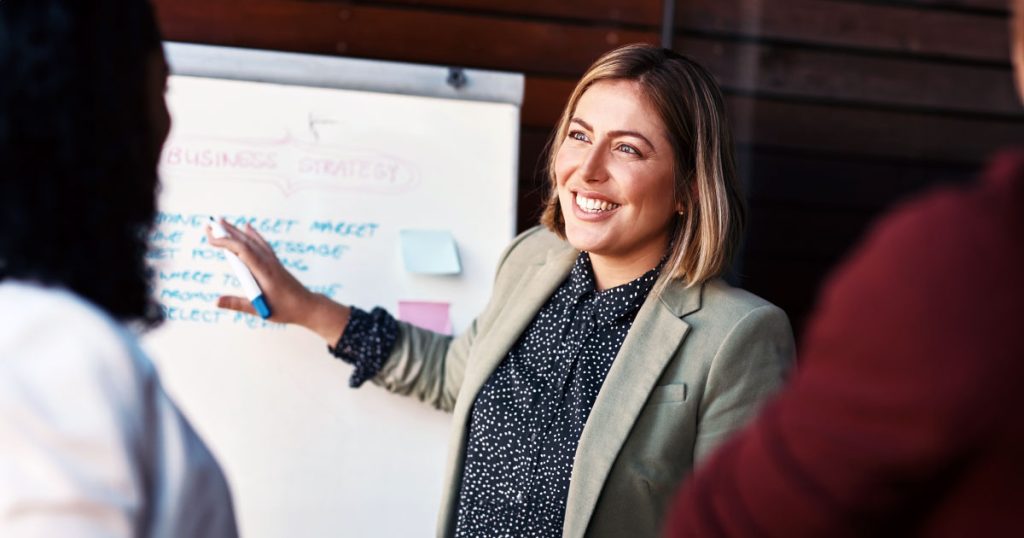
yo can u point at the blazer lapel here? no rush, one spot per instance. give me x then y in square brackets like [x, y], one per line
[534, 288]
[652, 342]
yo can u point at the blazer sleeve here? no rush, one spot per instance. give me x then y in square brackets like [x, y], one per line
[749, 367]
[427, 365]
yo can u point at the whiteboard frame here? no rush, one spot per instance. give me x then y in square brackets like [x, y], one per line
[300, 69]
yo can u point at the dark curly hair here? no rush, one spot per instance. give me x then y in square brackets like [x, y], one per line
[77, 149]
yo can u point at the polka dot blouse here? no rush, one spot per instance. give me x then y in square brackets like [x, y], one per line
[527, 419]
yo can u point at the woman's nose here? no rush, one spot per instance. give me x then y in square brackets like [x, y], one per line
[594, 167]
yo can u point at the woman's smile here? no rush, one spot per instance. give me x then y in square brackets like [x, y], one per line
[592, 206]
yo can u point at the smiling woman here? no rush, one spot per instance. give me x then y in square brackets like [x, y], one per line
[610, 357]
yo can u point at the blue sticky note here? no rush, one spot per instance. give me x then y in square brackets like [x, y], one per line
[430, 252]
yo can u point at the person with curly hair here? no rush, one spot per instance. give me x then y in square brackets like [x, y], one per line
[90, 445]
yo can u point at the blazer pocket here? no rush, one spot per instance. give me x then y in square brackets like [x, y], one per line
[676, 392]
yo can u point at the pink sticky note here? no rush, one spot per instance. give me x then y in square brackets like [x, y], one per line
[427, 314]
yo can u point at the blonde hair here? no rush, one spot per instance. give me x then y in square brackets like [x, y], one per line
[690, 104]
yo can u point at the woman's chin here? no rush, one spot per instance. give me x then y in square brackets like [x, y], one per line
[584, 240]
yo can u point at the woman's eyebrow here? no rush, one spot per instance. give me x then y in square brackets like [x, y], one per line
[621, 132]
[627, 132]
[634, 134]
[582, 123]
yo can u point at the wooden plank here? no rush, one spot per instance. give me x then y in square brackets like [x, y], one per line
[532, 175]
[869, 132]
[838, 183]
[875, 27]
[544, 98]
[634, 12]
[794, 71]
[533, 143]
[985, 5]
[804, 233]
[394, 34]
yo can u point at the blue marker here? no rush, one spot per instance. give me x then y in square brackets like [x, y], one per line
[249, 286]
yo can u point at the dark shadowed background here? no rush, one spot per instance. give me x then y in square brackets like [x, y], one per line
[841, 108]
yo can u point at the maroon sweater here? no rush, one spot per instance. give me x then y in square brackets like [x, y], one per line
[906, 415]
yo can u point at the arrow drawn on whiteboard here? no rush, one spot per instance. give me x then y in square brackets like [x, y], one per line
[314, 122]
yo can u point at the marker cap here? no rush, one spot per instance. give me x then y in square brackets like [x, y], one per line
[261, 306]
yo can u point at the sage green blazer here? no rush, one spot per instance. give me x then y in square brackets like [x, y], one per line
[693, 368]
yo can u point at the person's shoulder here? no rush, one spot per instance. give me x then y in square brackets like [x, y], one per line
[728, 312]
[721, 299]
[27, 304]
[732, 325]
[533, 246]
[54, 327]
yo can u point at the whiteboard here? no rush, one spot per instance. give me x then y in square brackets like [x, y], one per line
[330, 175]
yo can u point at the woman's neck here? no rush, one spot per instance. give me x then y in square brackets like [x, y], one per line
[611, 271]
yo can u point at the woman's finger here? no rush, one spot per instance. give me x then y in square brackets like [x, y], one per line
[239, 304]
[237, 234]
[287, 296]
[235, 246]
[243, 250]
[231, 229]
[258, 239]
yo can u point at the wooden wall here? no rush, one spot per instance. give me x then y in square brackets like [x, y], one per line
[845, 107]
[841, 107]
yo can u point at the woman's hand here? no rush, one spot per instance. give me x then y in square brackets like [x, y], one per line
[290, 301]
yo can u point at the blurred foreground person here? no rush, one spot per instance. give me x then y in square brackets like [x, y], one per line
[89, 443]
[905, 417]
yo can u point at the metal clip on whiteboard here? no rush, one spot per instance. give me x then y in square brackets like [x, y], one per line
[457, 77]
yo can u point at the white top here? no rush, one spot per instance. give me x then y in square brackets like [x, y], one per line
[90, 445]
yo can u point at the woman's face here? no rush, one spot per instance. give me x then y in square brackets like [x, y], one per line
[615, 173]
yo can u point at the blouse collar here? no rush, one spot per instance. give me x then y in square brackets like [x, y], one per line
[612, 303]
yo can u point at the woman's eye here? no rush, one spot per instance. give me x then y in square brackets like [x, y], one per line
[626, 148]
[577, 135]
